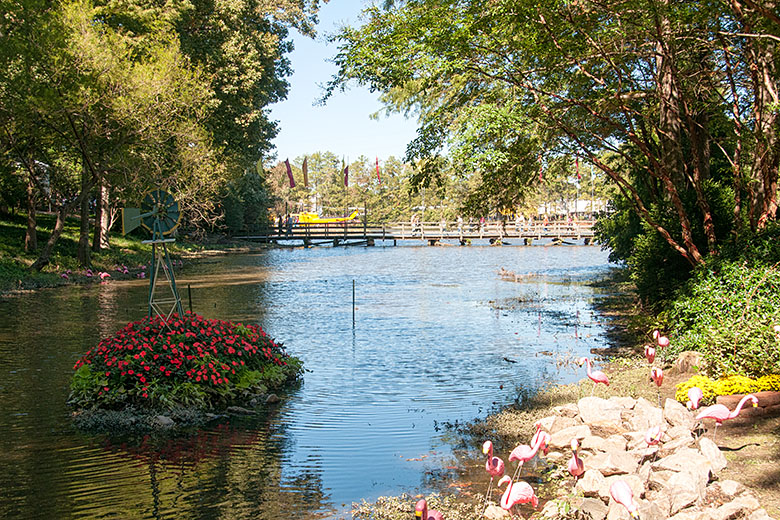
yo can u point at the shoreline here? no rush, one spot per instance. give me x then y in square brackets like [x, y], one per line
[628, 372]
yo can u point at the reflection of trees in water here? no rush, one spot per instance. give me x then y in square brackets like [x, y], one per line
[229, 470]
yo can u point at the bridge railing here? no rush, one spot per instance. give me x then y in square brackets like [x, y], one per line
[404, 230]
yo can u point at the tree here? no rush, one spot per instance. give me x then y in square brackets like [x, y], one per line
[665, 86]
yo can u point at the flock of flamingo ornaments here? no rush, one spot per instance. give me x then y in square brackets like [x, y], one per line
[520, 492]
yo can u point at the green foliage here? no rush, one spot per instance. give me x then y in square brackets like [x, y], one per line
[727, 312]
[246, 204]
[656, 269]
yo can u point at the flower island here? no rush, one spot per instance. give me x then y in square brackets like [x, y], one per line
[155, 373]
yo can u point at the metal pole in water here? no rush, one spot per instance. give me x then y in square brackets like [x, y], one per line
[353, 303]
[189, 295]
[576, 323]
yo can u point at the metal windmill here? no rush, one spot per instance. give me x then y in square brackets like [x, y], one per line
[159, 213]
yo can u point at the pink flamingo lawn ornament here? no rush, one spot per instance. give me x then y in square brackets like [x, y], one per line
[622, 494]
[653, 435]
[650, 354]
[720, 413]
[576, 466]
[597, 377]
[695, 395]
[421, 511]
[542, 438]
[657, 376]
[493, 465]
[523, 453]
[516, 493]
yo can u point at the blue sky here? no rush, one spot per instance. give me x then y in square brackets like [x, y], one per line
[343, 125]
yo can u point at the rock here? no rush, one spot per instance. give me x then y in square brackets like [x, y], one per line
[660, 479]
[651, 510]
[163, 421]
[567, 410]
[555, 456]
[611, 443]
[688, 361]
[678, 415]
[239, 410]
[547, 422]
[644, 471]
[683, 460]
[730, 488]
[683, 490]
[493, 512]
[662, 501]
[607, 430]
[562, 423]
[590, 483]
[595, 410]
[645, 415]
[677, 431]
[562, 439]
[667, 448]
[624, 402]
[271, 398]
[554, 509]
[592, 509]
[612, 463]
[759, 514]
[737, 508]
[689, 515]
[636, 440]
[713, 454]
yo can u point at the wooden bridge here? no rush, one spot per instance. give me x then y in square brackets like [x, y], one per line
[434, 233]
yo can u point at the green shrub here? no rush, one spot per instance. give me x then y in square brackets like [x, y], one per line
[727, 313]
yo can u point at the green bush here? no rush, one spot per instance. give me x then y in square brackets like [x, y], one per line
[727, 312]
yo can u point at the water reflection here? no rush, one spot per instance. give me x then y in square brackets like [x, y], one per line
[439, 337]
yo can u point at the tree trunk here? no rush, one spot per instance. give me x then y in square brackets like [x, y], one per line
[102, 218]
[59, 225]
[700, 149]
[31, 234]
[83, 253]
[671, 164]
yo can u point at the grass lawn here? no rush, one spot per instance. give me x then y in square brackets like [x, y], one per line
[15, 263]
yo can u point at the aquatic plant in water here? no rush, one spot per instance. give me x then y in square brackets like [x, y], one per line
[189, 361]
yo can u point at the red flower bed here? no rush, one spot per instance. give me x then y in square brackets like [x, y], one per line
[189, 360]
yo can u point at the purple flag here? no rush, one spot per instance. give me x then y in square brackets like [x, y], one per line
[289, 173]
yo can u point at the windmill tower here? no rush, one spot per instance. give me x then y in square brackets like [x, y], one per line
[159, 213]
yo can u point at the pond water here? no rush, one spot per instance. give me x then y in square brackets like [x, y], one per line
[439, 338]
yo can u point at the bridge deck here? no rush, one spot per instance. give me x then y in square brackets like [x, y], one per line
[427, 231]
